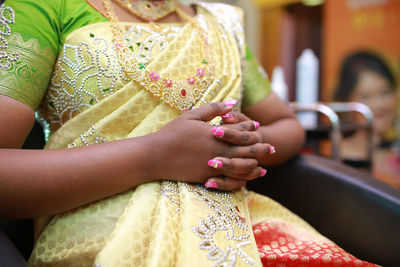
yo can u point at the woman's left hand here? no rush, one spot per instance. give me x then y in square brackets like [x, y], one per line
[280, 128]
[238, 129]
[235, 169]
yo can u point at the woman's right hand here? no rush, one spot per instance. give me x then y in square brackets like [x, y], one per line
[184, 147]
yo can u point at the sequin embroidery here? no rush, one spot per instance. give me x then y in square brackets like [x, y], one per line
[7, 17]
[85, 136]
[78, 66]
[94, 62]
[143, 49]
[224, 218]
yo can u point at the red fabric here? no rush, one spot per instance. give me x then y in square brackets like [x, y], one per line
[281, 244]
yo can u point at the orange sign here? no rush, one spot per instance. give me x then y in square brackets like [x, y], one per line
[353, 25]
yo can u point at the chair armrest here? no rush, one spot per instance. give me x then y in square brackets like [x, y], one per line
[358, 212]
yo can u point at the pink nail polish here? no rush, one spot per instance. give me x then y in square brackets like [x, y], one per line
[217, 164]
[211, 185]
[256, 125]
[263, 172]
[231, 102]
[227, 116]
[272, 150]
[219, 133]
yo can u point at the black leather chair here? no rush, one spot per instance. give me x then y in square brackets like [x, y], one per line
[356, 211]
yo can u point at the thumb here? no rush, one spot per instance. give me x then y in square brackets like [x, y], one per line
[212, 110]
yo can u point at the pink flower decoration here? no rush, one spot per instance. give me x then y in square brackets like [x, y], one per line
[168, 82]
[191, 80]
[154, 76]
[200, 72]
[206, 42]
[118, 46]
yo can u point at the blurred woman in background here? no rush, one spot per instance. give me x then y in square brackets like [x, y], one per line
[366, 78]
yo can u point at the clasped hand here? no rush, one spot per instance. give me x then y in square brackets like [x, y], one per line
[223, 157]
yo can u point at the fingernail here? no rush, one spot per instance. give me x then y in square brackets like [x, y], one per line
[263, 172]
[227, 116]
[272, 150]
[256, 125]
[231, 102]
[215, 163]
[218, 132]
[211, 185]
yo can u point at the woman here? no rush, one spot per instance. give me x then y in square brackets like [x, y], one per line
[148, 95]
[366, 78]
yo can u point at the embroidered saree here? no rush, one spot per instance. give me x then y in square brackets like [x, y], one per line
[59, 58]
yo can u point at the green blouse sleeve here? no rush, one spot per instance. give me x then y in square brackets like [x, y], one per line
[29, 36]
[256, 84]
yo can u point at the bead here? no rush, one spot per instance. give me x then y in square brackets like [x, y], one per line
[183, 92]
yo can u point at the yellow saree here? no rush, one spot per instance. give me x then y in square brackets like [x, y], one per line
[156, 224]
[90, 100]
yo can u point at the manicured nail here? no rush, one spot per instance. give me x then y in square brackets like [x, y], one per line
[256, 125]
[227, 116]
[231, 102]
[217, 132]
[263, 172]
[272, 150]
[215, 163]
[211, 185]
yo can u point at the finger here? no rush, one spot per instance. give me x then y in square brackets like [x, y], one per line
[227, 184]
[256, 151]
[238, 168]
[210, 111]
[244, 126]
[234, 117]
[236, 137]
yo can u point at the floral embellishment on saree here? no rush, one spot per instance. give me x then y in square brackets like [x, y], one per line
[224, 234]
[78, 66]
[93, 61]
[6, 17]
[181, 94]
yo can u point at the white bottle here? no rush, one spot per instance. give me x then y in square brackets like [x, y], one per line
[278, 84]
[307, 79]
